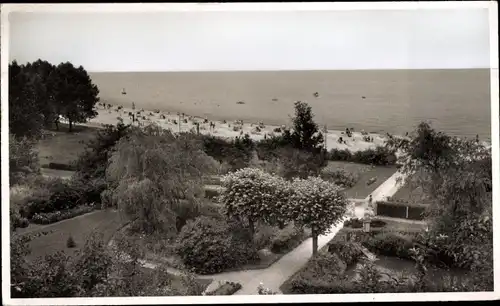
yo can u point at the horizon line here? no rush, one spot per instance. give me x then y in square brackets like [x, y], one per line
[285, 70]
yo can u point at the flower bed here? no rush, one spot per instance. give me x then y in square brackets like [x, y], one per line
[52, 217]
[225, 288]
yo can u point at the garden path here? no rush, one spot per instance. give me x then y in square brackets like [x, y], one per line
[276, 274]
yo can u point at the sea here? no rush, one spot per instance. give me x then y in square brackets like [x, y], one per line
[456, 101]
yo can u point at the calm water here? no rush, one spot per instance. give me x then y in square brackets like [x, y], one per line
[394, 101]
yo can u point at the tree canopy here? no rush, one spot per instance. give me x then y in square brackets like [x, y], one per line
[40, 93]
[155, 172]
[305, 134]
[456, 178]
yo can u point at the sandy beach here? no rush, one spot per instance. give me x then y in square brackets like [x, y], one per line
[227, 128]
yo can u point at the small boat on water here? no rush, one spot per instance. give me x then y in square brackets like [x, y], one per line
[124, 92]
[316, 94]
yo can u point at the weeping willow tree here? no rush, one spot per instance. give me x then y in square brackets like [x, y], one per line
[455, 177]
[158, 176]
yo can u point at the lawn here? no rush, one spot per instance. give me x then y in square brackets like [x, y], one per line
[63, 147]
[106, 222]
[408, 193]
[361, 190]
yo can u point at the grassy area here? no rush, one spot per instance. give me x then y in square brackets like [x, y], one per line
[408, 193]
[106, 222]
[362, 189]
[62, 146]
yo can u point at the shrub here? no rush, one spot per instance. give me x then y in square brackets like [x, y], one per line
[59, 195]
[286, 239]
[315, 277]
[263, 235]
[377, 223]
[70, 243]
[235, 152]
[23, 159]
[228, 288]
[349, 252]
[59, 166]
[52, 217]
[265, 291]
[93, 162]
[268, 148]
[340, 155]
[207, 245]
[16, 220]
[381, 156]
[296, 163]
[339, 177]
[390, 244]
[353, 223]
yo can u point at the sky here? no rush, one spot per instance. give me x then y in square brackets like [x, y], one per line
[246, 40]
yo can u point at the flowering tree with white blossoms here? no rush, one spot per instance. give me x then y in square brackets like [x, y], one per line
[317, 204]
[253, 194]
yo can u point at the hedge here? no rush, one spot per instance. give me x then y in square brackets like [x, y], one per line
[58, 166]
[380, 156]
[52, 217]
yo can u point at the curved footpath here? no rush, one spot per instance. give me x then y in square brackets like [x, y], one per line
[276, 274]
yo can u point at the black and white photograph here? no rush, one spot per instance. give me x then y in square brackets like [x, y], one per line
[208, 151]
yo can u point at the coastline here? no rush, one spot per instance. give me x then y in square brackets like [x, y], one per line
[225, 129]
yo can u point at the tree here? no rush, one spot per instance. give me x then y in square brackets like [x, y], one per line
[25, 93]
[92, 163]
[297, 163]
[156, 172]
[93, 271]
[76, 95]
[316, 204]
[23, 159]
[48, 77]
[305, 135]
[251, 195]
[456, 178]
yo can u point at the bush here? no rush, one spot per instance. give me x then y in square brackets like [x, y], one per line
[65, 167]
[286, 239]
[70, 243]
[235, 152]
[339, 177]
[380, 156]
[302, 164]
[340, 155]
[390, 244]
[228, 288]
[93, 162]
[207, 245]
[353, 223]
[52, 217]
[16, 221]
[318, 273]
[263, 235]
[268, 148]
[348, 252]
[377, 223]
[60, 195]
[23, 159]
